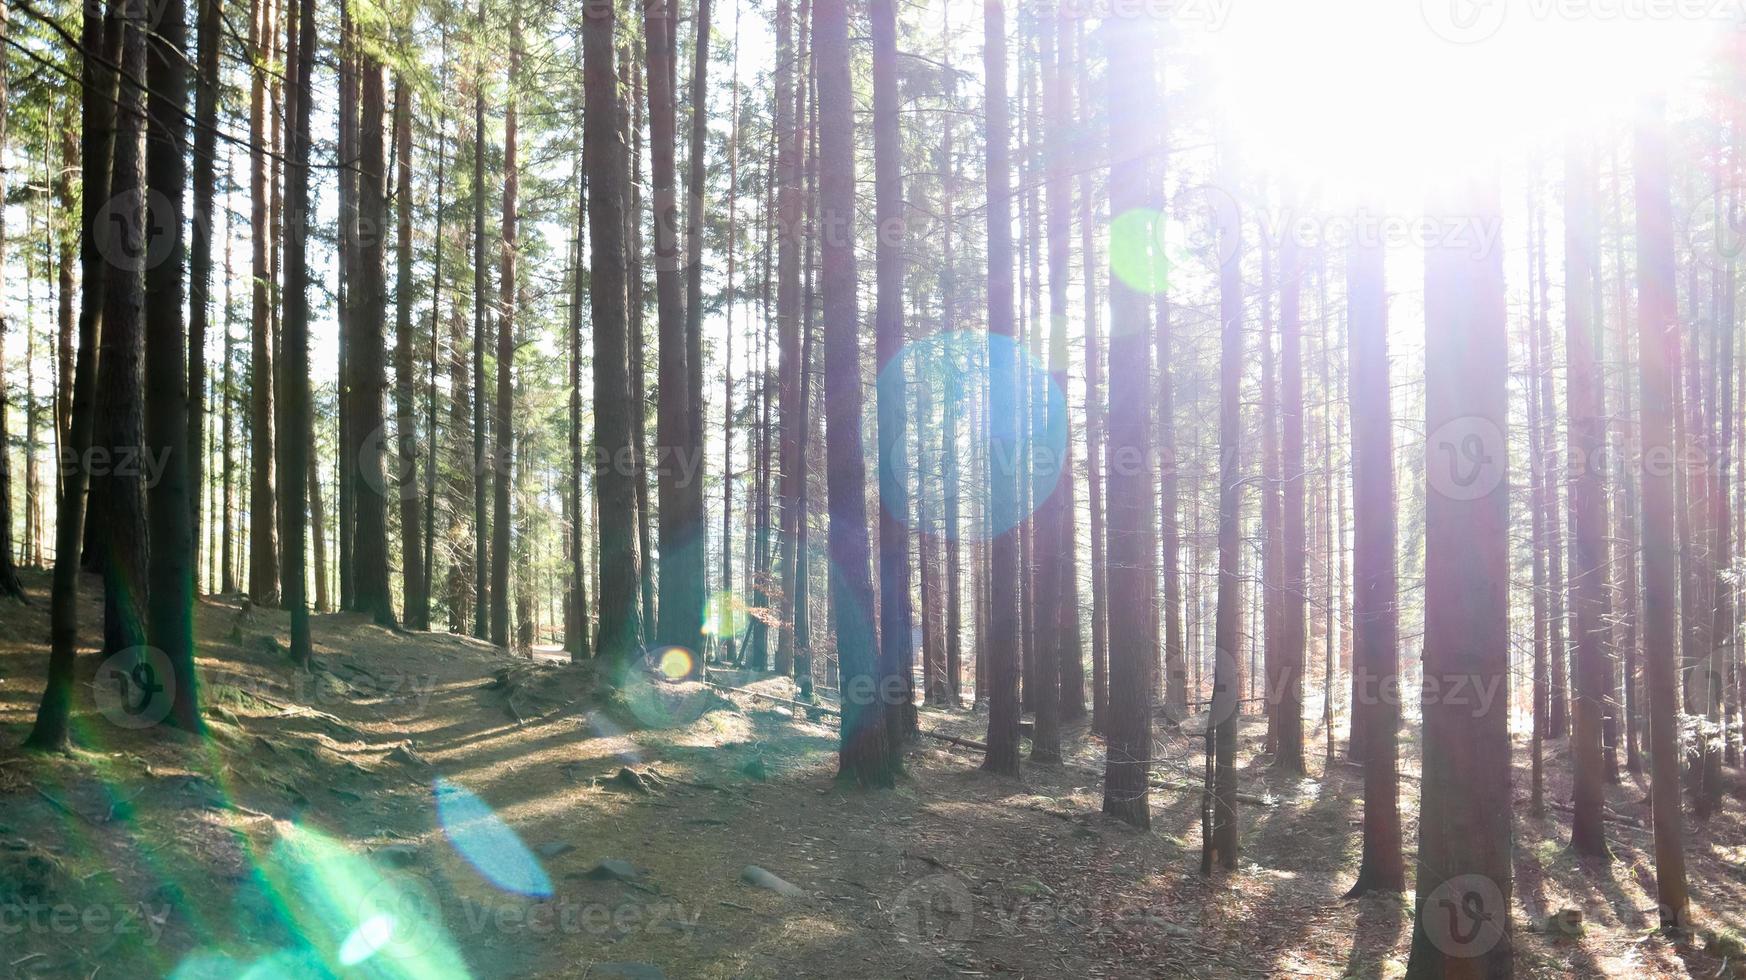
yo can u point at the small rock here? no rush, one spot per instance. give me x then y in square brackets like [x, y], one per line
[754, 875]
[611, 869]
[404, 755]
[1564, 923]
[627, 971]
[552, 849]
[398, 855]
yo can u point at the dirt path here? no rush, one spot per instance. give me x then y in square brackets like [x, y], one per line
[424, 806]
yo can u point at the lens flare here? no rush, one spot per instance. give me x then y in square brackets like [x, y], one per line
[957, 434]
[368, 939]
[488, 844]
[675, 663]
[1135, 253]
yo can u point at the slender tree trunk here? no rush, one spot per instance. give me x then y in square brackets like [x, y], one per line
[696, 188]
[1294, 573]
[503, 429]
[1586, 441]
[367, 356]
[263, 522]
[97, 144]
[481, 557]
[1001, 644]
[863, 756]
[896, 652]
[1659, 364]
[294, 403]
[1219, 806]
[789, 109]
[1094, 420]
[1070, 655]
[414, 592]
[1132, 550]
[207, 16]
[603, 153]
[1376, 595]
[681, 610]
[169, 502]
[120, 504]
[1463, 925]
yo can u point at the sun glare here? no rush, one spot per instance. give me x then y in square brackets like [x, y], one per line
[1380, 100]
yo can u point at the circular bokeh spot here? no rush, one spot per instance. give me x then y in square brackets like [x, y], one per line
[955, 442]
[674, 663]
[1136, 251]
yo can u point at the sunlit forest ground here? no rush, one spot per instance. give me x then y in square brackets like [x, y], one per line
[424, 805]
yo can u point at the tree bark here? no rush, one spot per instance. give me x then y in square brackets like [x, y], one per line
[1463, 925]
[1132, 549]
[1376, 594]
[414, 591]
[603, 153]
[681, 609]
[263, 522]
[1657, 360]
[1002, 643]
[97, 144]
[503, 428]
[1586, 440]
[863, 756]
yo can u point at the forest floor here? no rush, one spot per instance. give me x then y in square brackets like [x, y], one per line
[424, 806]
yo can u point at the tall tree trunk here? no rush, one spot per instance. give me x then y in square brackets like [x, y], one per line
[367, 356]
[1219, 807]
[503, 428]
[1551, 502]
[227, 535]
[696, 187]
[863, 756]
[577, 634]
[681, 610]
[603, 152]
[790, 100]
[1586, 441]
[1294, 573]
[633, 183]
[954, 396]
[97, 144]
[1132, 550]
[263, 522]
[170, 514]
[896, 650]
[1002, 642]
[414, 592]
[1094, 417]
[295, 413]
[207, 17]
[120, 500]
[1376, 596]
[1657, 360]
[481, 557]
[1072, 654]
[1463, 925]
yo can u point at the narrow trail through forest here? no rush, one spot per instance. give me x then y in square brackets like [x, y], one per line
[425, 805]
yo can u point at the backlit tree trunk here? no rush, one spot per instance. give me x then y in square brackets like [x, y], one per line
[863, 756]
[1657, 361]
[1462, 928]
[1375, 595]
